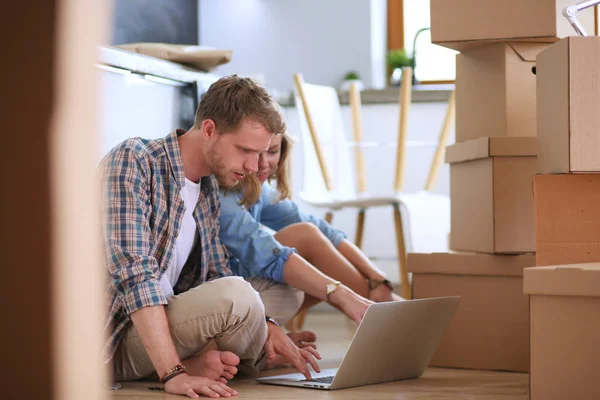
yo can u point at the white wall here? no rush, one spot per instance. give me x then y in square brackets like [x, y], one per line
[278, 38]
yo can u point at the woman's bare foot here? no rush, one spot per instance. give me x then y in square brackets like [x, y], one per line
[213, 364]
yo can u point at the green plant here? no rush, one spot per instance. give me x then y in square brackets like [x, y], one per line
[398, 59]
[352, 76]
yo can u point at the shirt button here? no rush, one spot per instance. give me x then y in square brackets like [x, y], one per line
[276, 251]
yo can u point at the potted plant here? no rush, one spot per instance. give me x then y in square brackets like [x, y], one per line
[351, 76]
[396, 59]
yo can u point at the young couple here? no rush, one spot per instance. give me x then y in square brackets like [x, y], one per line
[198, 287]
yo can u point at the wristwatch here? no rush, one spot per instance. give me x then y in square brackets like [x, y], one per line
[271, 320]
[331, 287]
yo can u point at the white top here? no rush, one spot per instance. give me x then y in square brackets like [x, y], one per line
[188, 236]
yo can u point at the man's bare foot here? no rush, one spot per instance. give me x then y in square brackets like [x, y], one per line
[303, 339]
[213, 364]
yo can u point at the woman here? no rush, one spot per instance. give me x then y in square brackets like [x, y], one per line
[272, 242]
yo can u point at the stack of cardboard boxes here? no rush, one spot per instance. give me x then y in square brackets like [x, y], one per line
[492, 164]
[565, 295]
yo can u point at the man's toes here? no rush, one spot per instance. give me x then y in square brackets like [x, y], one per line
[229, 358]
[227, 375]
[223, 380]
[230, 369]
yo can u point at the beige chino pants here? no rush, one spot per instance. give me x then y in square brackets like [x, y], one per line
[227, 310]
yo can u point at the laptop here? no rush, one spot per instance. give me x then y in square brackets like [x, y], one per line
[394, 341]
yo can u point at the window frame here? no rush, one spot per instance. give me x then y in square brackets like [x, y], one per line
[395, 34]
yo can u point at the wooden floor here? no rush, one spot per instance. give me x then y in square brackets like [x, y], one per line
[334, 334]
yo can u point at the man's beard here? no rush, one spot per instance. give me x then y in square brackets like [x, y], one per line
[217, 166]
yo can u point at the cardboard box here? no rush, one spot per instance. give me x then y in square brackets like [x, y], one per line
[491, 327]
[567, 218]
[495, 91]
[568, 114]
[565, 326]
[460, 24]
[491, 202]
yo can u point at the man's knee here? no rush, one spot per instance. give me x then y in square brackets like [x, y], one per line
[240, 294]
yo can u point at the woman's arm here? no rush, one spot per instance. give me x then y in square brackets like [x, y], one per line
[302, 275]
[259, 251]
[245, 239]
[278, 215]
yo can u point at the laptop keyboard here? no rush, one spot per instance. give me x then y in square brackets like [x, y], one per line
[325, 379]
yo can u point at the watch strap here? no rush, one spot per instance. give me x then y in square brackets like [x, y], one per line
[373, 283]
[271, 320]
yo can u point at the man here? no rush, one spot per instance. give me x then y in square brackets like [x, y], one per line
[174, 308]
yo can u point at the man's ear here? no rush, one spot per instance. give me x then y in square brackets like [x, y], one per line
[209, 128]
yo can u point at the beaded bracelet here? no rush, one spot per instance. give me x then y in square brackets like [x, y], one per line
[172, 373]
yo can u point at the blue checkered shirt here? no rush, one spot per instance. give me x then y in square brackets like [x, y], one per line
[142, 213]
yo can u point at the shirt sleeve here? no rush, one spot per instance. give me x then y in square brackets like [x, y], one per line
[129, 247]
[279, 214]
[255, 248]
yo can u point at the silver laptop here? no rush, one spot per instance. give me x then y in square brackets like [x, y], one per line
[394, 341]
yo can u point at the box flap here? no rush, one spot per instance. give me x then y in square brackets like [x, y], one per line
[501, 146]
[463, 263]
[563, 280]
[527, 51]
[465, 45]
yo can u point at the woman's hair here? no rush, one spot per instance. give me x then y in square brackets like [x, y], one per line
[282, 173]
[250, 186]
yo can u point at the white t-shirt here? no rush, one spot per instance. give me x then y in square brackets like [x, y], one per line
[188, 236]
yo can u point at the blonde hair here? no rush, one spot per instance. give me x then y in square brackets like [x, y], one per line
[251, 187]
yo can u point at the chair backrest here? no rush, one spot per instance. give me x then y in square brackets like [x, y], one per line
[329, 170]
[328, 167]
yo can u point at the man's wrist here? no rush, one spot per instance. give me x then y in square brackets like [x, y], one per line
[272, 321]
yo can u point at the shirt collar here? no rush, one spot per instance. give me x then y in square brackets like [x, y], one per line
[171, 144]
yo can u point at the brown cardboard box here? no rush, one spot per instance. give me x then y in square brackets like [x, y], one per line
[458, 24]
[491, 327]
[565, 326]
[495, 90]
[491, 203]
[567, 218]
[568, 110]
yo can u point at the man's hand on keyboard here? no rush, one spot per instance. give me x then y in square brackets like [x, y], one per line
[279, 344]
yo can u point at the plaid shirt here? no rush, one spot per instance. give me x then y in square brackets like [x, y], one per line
[142, 213]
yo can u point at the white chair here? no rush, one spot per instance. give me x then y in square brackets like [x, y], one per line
[333, 183]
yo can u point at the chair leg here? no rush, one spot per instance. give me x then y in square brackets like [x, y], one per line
[292, 324]
[360, 224]
[406, 292]
[296, 323]
[329, 217]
